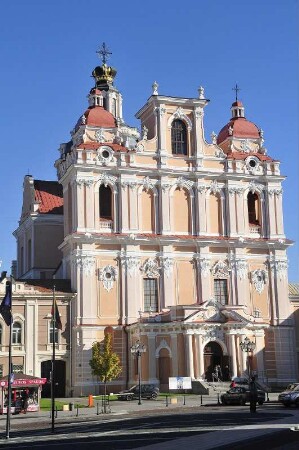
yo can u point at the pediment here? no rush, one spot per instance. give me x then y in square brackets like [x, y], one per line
[212, 311]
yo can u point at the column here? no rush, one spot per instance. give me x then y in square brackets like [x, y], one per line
[259, 352]
[164, 207]
[89, 199]
[167, 279]
[244, 356]
[234, 370]
[152, 370]
[203, 278]
[200, 356]
[174, 351]
[201, 210]
[231, 211]
[189, 356]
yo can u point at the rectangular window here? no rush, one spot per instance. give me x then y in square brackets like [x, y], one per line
[1, 370]
[220, 291]
[18, 368]
[51, 334]
[150, 289]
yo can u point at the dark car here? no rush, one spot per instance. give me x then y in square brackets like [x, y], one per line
[290, 388]
[148, 391]
[239, 395]
[290, 397]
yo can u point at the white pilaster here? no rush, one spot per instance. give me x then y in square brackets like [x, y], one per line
[200, 356]
[189, 356]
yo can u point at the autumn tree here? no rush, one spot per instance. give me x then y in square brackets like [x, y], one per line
[105, 364]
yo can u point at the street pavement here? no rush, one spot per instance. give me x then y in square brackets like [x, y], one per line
[69, 425]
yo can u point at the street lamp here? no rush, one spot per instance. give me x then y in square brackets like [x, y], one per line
[137, 349]
[247, 346]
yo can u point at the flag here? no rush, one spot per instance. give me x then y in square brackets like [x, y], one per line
[5, 307]
[56, 315]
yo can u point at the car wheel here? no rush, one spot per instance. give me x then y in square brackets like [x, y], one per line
[129, 398]
[154, 396]
[297, 402]
[224, 402]
[261, 403]
[242, 402]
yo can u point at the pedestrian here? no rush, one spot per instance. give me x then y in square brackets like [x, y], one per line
[25, 398]
[252, 394]
[226, 373]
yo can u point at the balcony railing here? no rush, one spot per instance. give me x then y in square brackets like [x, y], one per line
[106, 225]
[254, 229]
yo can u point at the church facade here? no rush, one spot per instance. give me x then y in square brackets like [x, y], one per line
[168, 240]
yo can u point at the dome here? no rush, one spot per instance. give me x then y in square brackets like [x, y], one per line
[97, 116]
[238, 126]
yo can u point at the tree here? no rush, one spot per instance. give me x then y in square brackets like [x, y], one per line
[105, 364]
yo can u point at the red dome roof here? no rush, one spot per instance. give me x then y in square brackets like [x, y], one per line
[97, 116]
[241, 128]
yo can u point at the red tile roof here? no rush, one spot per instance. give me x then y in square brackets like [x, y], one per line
[49, 195]
[240, 155]
[241, 128]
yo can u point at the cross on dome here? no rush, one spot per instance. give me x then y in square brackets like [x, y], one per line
[104, 53]
[237, 89]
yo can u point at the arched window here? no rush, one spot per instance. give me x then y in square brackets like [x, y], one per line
[17, 333]
[105, 202]
[178, 137]
[1, 334]
[253, 208]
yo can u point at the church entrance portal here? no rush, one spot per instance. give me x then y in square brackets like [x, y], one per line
[213, 356]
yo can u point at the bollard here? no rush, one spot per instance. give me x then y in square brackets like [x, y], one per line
[90, 401]
[201, 401]
[166, 398]
[77, 411]
[56, 412]
[184, 400]
[267, 396]
[97, 408]
[218, 399]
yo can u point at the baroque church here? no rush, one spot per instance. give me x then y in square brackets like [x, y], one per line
[162, 237]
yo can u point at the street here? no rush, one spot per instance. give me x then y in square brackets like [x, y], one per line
[206, 427]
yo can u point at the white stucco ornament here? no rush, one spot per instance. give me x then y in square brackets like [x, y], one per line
[166, 265]
[131, 263]
[214, 187]
[85, 264]
[204, 266]
[220, 270]
[259, 279]
[108, 276]
[241, 268]
[151, 268]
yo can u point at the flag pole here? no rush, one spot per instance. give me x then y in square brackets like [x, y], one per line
[9, 367]
[53, 361]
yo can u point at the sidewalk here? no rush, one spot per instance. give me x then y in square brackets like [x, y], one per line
[213, 436]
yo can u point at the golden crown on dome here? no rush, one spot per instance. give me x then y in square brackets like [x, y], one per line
[104, 73]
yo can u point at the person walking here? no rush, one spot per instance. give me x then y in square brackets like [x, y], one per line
[252, 394]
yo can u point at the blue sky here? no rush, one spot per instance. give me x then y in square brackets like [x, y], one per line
[48, 52]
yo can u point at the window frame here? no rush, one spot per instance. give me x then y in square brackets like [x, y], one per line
[221, 295]
[179, 138]
[148, 306]
[17, 334]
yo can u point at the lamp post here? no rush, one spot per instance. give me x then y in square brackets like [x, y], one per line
[247, 346]
[137, 349]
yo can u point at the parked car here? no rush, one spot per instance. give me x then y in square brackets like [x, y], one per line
[290, 397]
[148, 391]
[290, 388]
[239, 395]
